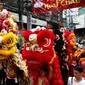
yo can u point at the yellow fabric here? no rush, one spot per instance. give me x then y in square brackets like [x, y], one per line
[8, 52]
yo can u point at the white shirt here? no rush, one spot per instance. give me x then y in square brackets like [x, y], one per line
[82, 82]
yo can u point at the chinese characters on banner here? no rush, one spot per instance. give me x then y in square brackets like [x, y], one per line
[42, 6]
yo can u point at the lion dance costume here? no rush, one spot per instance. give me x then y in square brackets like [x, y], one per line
[9, 55]
[75, 55]
[41, 59]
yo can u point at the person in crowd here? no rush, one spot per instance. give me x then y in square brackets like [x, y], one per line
[2, 75]
[59, 45]
[42, 79]
[79, 39]
[78, 79]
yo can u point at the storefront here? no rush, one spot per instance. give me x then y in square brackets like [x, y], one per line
[35, 22]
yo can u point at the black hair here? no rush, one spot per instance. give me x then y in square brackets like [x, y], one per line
[79, 68]
[44, 68]
[54, 26]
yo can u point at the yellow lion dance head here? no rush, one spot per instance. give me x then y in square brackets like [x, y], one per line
[7, 45]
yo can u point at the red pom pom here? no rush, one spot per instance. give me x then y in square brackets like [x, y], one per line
[66, 33]
[26, 35]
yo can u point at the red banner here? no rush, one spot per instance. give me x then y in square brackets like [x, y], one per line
[42, 6]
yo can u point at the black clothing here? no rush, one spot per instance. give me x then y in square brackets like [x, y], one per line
[2, 77]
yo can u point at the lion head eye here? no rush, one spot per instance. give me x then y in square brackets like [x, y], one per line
[32, 37]
[9, 41]
[28, 44]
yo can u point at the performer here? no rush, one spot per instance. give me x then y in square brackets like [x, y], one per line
[38, 52]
